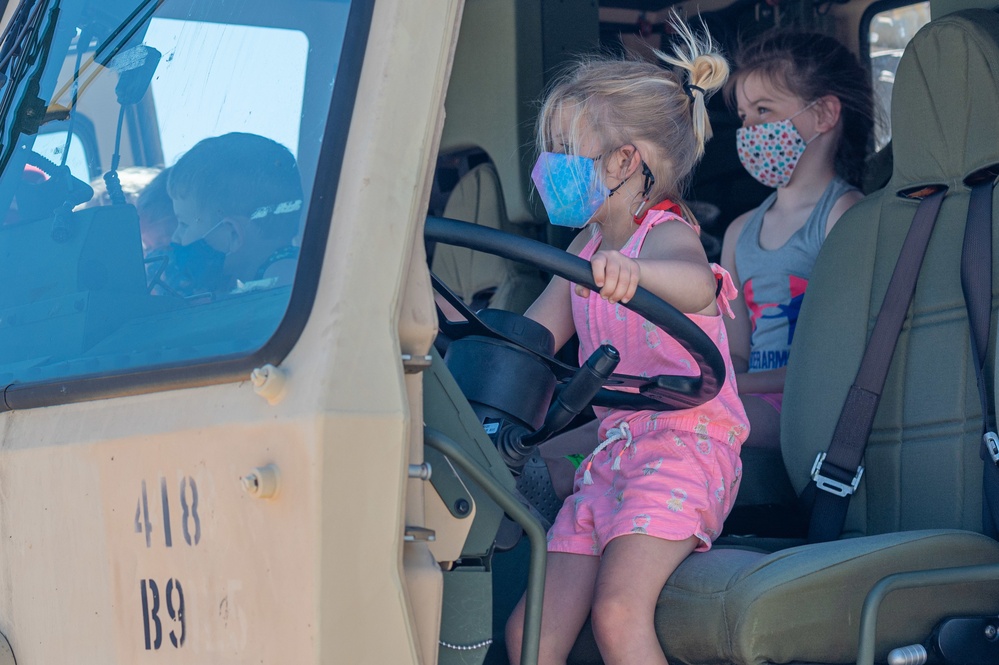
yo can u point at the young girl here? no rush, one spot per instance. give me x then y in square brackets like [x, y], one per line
[658, 485]
[807, 117]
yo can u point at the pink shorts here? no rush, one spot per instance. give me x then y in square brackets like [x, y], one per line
[776, 400]
[670, 485]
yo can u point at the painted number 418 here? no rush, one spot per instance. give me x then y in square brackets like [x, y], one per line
[189, 520]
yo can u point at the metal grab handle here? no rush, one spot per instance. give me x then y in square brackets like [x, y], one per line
[917, 578]
[535, 533]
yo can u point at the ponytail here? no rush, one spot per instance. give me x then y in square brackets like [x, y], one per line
[706, 72]
[623, 100]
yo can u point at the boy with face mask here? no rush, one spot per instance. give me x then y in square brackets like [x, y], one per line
[238, 202]
[807, 113]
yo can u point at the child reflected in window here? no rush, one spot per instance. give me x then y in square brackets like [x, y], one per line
[238, 202]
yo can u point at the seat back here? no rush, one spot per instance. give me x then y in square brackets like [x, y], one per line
[476, 198]
[481, 279]
[923, 468]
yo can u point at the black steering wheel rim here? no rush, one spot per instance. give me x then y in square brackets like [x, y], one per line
[679, 326]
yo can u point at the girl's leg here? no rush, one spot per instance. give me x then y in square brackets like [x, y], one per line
[568, 594]
[764, 423]
[633, 571]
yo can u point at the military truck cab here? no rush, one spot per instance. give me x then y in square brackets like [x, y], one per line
[267, 389]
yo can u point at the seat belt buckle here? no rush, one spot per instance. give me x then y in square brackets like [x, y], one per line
[832, 485]
[991, 441]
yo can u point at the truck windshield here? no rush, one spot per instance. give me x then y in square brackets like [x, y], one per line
[157, 163]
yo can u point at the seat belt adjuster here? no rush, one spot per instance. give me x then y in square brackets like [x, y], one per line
[827, 484]
[991, 441]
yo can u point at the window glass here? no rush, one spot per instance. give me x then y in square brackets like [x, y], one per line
[888, 32]
[171, 236]
[52, 145]
[273, 58]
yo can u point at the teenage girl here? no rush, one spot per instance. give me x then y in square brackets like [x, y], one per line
[618, 139]
[807, 121]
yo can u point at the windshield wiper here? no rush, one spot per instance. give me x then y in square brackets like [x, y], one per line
[25, 41]
[34, 53]
[18, 33]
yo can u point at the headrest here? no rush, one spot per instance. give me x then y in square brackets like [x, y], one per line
[945, 98]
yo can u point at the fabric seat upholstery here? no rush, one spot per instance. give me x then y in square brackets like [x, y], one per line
[922, 460]
[803, 604]
[478, 198]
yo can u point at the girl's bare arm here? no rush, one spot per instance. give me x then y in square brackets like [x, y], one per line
[737, 329]
[553, 308]
[672, 265]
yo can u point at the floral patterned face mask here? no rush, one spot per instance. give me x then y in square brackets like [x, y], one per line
[771, 150]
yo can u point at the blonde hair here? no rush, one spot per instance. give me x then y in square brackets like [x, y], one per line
[621, 100]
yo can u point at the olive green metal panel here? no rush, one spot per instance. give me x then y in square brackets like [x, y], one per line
[446, 410]
[467, 620]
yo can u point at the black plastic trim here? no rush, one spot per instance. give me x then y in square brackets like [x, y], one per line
[211, 371]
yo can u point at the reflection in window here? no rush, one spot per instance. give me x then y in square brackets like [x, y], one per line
[201, 62]
[53, 146]
[110, 264]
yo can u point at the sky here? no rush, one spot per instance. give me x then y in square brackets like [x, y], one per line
[219, 74]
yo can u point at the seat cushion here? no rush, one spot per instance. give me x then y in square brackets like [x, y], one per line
[803, 604]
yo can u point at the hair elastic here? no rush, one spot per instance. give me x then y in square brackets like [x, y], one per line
[689, 89]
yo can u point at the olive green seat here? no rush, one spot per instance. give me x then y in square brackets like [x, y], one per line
[919, 504]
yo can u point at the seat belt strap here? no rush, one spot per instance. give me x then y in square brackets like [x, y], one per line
[976, 282]
[837, 472]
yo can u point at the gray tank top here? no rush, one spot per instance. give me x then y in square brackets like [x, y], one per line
[774, 281]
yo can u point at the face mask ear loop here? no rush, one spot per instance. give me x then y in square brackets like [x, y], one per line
[614, 189]
[650, 180]
[805, 108]
[228, 250]
[813, 138]
[792, 117]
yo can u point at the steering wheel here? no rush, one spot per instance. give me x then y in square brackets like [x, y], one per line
[661, 393]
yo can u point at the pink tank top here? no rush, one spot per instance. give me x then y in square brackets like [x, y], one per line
[648, 351]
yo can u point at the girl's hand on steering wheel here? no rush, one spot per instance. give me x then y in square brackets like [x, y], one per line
[616, 274]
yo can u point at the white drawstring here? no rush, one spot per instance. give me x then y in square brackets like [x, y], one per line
[622, 431]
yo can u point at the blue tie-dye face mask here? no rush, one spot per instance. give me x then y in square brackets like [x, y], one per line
[569, 188]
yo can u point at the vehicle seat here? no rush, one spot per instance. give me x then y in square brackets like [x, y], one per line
[919, 505]
[480, 279]
[877, 170]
